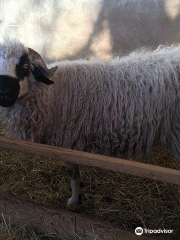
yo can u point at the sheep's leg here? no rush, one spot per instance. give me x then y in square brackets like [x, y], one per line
[74, 175]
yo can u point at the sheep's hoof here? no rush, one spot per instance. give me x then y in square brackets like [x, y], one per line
[73, 202]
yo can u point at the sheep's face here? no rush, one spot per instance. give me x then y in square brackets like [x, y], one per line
[17, 63]
[14, 71]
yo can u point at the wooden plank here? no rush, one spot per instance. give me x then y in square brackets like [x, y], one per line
[82, 158]
[66, 224]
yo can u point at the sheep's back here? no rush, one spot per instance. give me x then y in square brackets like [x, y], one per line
[124, 105]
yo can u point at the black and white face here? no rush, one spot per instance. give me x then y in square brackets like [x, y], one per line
[16, 65]
[13, 80]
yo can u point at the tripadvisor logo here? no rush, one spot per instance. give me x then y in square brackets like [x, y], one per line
[140, 231]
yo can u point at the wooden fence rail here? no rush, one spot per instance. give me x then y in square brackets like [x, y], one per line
[82, 158]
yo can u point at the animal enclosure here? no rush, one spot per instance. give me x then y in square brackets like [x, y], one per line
[124, 193]
[123, 166]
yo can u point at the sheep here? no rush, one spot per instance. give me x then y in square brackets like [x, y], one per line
[124, 106]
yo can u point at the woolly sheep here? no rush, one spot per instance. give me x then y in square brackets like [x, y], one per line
[125, 106]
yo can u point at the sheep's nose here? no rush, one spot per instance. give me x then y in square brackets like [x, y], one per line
[4, 93]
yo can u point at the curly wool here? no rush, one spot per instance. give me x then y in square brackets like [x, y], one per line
[125, 106]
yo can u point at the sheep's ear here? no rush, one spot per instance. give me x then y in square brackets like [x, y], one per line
[43, 74]
[39, 68]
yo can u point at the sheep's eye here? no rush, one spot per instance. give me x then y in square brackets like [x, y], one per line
[25, 66]
[22, 68]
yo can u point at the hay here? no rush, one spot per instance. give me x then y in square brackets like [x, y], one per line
[124, 200]
[10, 230]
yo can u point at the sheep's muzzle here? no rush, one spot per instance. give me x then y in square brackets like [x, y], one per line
[9, 90]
